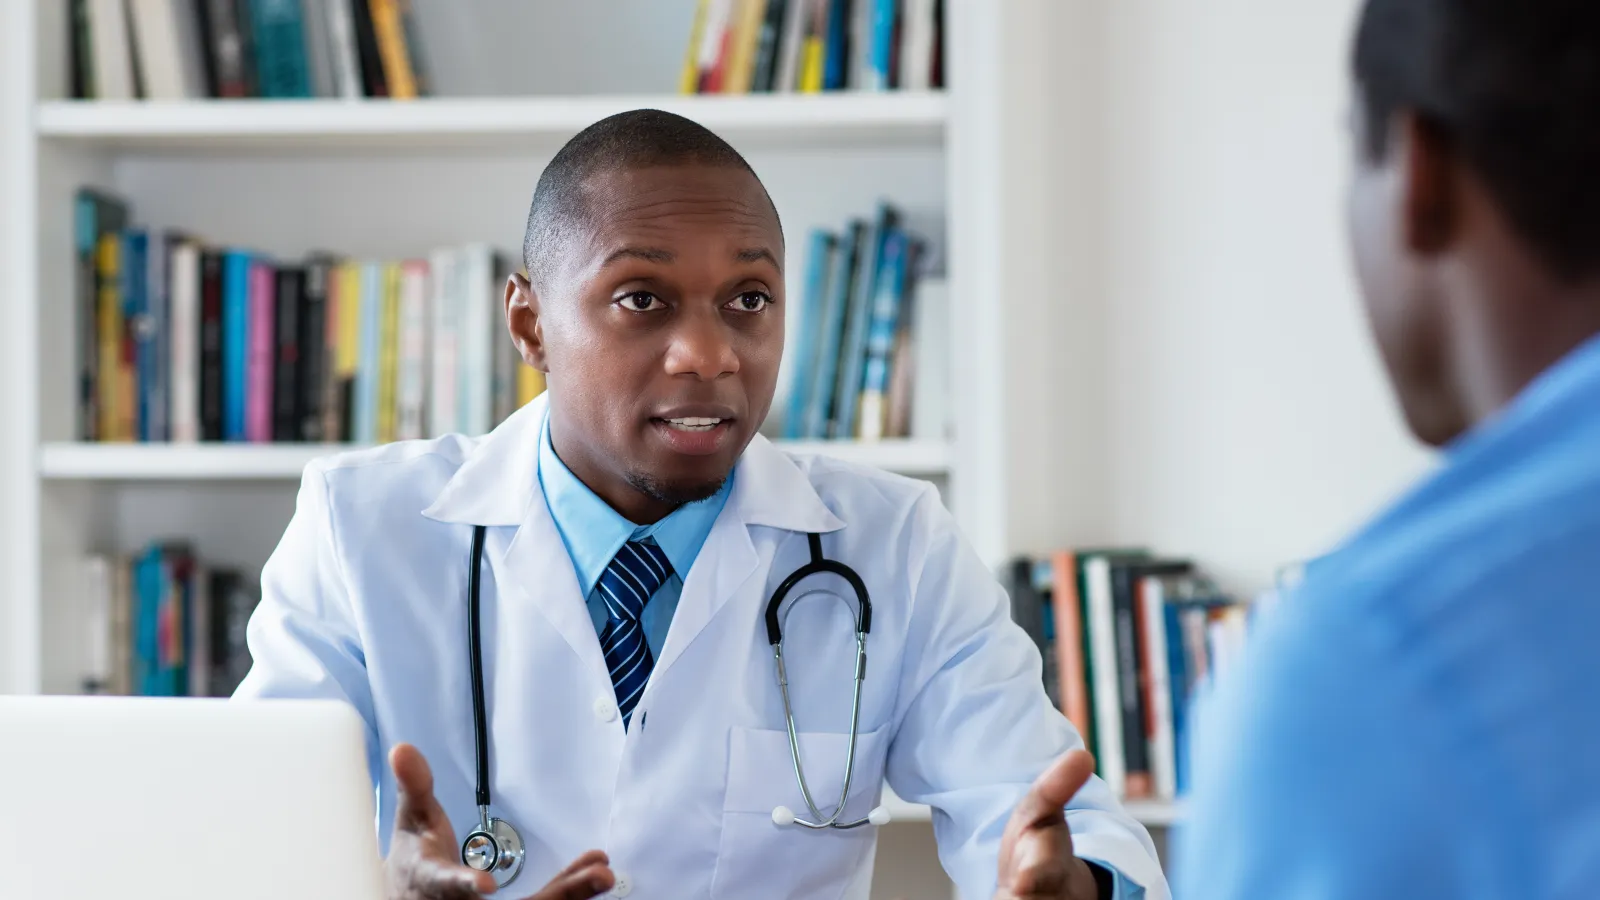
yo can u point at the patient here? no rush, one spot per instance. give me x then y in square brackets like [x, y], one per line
[1421, 718]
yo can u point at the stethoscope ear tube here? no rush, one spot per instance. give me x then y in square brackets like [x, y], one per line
[819, 565]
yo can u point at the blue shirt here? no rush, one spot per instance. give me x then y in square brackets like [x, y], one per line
[1421, 717]
[593, 533]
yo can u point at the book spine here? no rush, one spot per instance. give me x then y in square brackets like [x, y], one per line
[741, 59]
[235, 343]
[109, 281]
[286, 392]
[314, 355]
[1071, 665]
[689, 76]
[833, 322]
[184, 338]
[114, 76]
[881, 328]
[792, 43]
[344, 45]
[1108, 731]
[158, 390]
[444, 366]
[351, 333]
[853, 352]
[367, 54]
[388, 354]
[1178, 681]
[226, 42]
[814, 53]
[475, 351]
[318, 47]
[1158, 689]
[262, 344]
[883, 27]
[364, 418]
[768, 47]
[80, 50]
[391, 37]
[413, 350]
[836, 66]
[721, 40]
[1135, 747]
[819, 260]
[283, 70]
[138, 354]
[212, 368]
[154, 29]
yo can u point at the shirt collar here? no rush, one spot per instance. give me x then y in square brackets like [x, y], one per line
[593, 532]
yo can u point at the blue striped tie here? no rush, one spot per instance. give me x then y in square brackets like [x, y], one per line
[636, 573]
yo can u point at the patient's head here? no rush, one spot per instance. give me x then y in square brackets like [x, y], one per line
[1475, 208]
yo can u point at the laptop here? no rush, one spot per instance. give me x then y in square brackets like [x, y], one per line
[169, 799]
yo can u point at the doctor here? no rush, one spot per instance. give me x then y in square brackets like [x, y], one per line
[634, 526]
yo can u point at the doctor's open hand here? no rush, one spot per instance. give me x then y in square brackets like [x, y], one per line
[1036, 857]
[425, 860]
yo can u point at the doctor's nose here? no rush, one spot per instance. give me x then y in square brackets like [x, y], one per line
[701, 347]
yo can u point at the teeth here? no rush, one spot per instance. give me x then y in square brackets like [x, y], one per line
[694, 423]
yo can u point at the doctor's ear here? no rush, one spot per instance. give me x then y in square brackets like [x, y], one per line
[522, 320]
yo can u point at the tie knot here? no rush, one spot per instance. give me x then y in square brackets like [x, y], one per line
[635, 573]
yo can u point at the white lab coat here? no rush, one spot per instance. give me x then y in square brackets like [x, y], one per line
[365, 600]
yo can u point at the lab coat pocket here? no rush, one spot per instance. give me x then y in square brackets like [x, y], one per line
[759, 858]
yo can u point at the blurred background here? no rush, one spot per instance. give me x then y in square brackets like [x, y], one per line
[1081, 264]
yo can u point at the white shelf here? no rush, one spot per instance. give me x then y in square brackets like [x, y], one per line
[268, 462]
[506, 125]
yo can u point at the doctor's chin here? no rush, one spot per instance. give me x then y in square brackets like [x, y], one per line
[800, 450]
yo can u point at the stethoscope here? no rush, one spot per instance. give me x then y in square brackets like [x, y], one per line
[496, 847]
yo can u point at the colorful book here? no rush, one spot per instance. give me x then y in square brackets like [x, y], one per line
[804, 363]
[261, 363]
[388, 355]
[235, 342]
[364, 415]
[836, 64]
[814, 48]
[859, 309]
[411, 389]
[184, 341]
[282, 67]
[689, 77]
[349, 333]
[883, 323]
[389, 30]
[831, 339]
[112, 369]
[96, 214]
[138, 362]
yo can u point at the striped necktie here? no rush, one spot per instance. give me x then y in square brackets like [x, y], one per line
[637, 572]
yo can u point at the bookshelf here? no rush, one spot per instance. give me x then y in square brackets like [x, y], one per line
[290, 177]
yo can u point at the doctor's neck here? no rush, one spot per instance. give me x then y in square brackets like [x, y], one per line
[654, 304]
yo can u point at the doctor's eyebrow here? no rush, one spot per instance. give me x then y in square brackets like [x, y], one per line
[756, 254]
[648, 254]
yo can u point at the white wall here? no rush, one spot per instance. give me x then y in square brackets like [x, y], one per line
[10, 144]
[1248, 418]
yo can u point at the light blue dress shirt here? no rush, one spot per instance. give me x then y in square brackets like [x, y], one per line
[1421, 718]
[593, 533]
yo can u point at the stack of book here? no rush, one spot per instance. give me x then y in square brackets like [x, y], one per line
[182, 341]
[1128, 639]
[749, 46]
[854, 351]
[162, 624]
[189, 49]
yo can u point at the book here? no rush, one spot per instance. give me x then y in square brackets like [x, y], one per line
[289, 305]
[1132, 668]
[283, 69]
[138, 359]
[807, 345]
[835, 309]
[228, 61]
[412, 363]
[315, 359]
[349, 329]
[164, 52]
[389, 31]
[689, 77]
[95, 214]
[184, 341]
[80, 51]
[342, 40]
[858, 316]
[1072, 668]
[111, 52]
[444, 355]
[814, 48]
[261, 343]
[768, 39]
[791, 48]
[368, 56]
[882, 327]
[235, 342]
[388, 355]
[745, 34]
[213, 376]
[477, 266]
[364, 415]
[836, 60]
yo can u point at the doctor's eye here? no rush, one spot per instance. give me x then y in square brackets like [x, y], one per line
[640, 301]
[750, 301]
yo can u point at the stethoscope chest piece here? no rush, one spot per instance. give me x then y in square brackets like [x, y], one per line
[494, 847]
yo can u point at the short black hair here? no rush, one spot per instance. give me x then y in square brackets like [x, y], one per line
[636, 139]
[1514, 86]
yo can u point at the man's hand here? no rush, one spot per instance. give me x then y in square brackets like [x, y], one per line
[425, 861]
[1036, 859]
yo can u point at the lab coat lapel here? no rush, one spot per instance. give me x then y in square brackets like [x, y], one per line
[769, 490]
[497, 484]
